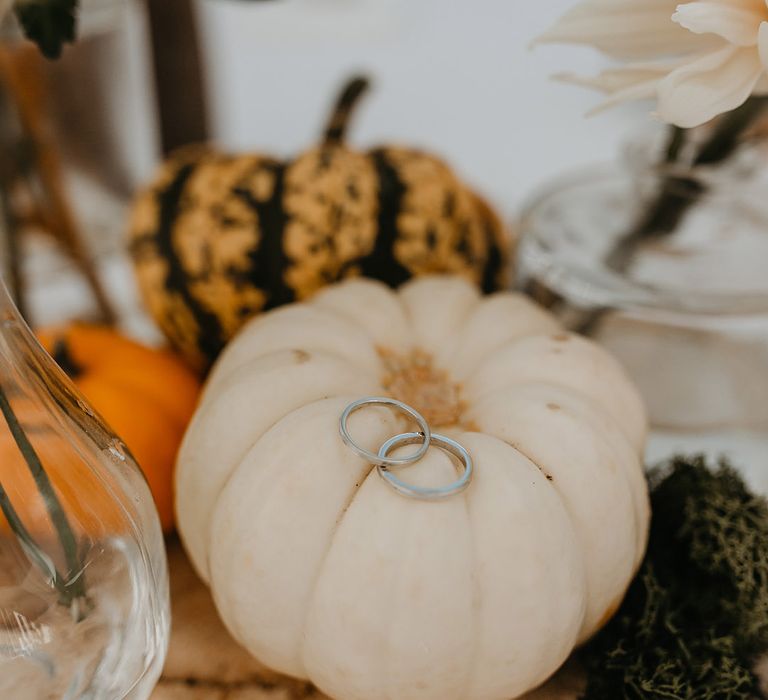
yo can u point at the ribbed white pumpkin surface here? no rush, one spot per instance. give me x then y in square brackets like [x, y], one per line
[323, 572]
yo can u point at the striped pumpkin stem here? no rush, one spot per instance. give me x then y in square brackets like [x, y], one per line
[354, 89]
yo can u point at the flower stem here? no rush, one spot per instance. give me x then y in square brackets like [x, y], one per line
[30, 547]
[73, 584]
[728, 135]
[677, 138]
[677, 194]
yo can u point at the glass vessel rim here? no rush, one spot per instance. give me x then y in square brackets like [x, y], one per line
[600, 288]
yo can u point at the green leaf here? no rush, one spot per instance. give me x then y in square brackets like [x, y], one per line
[49, 23]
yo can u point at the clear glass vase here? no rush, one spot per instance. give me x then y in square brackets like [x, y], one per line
[84, 608]
[684, 306]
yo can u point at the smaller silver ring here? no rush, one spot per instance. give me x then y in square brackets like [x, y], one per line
[380, 460]
[428, 494]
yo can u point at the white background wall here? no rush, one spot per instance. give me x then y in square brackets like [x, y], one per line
[456, 76]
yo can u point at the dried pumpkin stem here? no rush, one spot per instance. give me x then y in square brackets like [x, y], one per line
[72, 585]
[336, 129]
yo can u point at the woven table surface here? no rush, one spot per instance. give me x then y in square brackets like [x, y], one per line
[204, 663]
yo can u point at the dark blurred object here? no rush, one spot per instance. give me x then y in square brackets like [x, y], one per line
[178, 73]
[49, 23]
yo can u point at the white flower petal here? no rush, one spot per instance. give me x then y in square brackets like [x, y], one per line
[752, 5]
[626, 29]
[712, 84]
[639, 91]
[639, 81]
[618, 79]
[737, 23]
[761, 89]
[762, 44]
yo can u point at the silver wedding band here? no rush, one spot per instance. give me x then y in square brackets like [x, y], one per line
[379, 460]
[427, 493]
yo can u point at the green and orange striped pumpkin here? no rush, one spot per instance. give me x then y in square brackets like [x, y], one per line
[218, 238]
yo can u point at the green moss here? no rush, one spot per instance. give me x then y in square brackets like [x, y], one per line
[696, 616]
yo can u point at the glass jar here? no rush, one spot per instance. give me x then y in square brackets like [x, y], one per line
[685, 308]
[84, 607]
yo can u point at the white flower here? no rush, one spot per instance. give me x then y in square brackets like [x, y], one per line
[698, 59]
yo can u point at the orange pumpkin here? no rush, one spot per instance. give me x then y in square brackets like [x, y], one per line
[88, 503]
[146, 395]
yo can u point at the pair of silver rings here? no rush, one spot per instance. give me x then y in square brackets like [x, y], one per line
[384, 463]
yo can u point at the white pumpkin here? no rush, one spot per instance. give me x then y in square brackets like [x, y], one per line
[325, 573]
